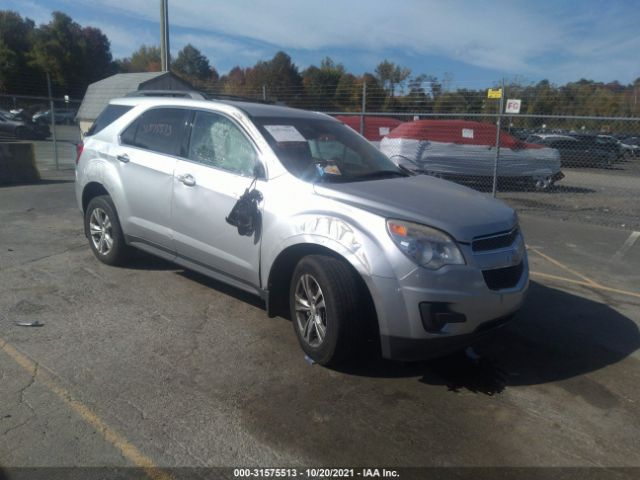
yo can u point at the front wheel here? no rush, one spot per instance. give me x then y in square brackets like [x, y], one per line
[325, 308]
[104, 232]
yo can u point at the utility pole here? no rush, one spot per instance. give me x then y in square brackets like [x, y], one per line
[52, 111]
[499, 124]
[164, 35]
[364, 106]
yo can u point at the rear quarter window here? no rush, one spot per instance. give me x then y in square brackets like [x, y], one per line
[109, 115]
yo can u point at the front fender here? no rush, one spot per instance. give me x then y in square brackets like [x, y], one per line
[363, 251]
[359, 247]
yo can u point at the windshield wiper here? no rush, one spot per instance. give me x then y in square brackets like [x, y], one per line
[408, 171]
[380, 174]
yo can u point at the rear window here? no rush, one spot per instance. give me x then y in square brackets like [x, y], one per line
[107, 117]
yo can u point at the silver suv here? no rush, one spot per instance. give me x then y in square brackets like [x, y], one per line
[299, 209]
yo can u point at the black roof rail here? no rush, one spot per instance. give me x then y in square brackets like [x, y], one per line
[193, 94]
[237, 98]
[168, 93]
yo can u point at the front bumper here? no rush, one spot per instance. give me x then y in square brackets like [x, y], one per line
[412, 349]
[471, 309]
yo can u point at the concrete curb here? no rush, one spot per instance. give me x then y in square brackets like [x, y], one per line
[17, 163]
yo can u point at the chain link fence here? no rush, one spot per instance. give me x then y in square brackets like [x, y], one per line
[580, 164]
[27, 118]
[576, 167]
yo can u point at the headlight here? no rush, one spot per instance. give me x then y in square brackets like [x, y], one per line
[424, 245]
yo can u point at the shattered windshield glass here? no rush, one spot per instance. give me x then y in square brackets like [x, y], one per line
[319, 150]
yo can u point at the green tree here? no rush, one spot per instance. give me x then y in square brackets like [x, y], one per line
[145, 59]
[435, 85]
[320, 84]
[345, 96]
[376, 96]
[390, 75]
[417, 98]
[96, 51]
[57, 49]
[16, 37]
[279, 75]
[234, 82]
[74, 56]
[451, 102]
[192, 64]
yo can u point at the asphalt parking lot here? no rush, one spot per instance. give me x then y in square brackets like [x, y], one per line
[157, 367]
[603, 196]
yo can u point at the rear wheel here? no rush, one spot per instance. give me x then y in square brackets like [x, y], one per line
[542, 184]
[326, 308]
[104, 232]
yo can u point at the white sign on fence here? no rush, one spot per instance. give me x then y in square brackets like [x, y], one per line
[467, 133]
[513, 105]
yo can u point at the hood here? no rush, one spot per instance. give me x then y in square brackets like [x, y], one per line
[460, 211]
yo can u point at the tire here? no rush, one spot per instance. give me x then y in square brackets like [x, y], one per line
[340, 316]
[104, 233]
[542, 184]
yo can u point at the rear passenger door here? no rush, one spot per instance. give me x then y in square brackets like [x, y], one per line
[219, 166]
[147, 160]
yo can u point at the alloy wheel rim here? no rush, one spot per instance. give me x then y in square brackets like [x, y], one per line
[101, 231]
[311, 311]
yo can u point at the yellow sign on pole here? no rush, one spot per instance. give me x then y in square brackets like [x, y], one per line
[494, 93]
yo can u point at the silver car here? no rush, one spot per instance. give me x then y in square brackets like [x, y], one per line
[299, 209]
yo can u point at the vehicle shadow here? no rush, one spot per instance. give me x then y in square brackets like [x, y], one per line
[145, 261]
[556, 336]
[234, 292]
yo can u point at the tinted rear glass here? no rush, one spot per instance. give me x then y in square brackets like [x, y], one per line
[107, 117]
[159, 129]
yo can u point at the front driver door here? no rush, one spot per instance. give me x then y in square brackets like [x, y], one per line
[220, 166]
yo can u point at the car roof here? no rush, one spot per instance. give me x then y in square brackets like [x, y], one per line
[252, 109]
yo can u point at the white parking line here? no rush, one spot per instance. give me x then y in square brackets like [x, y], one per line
[627, 245]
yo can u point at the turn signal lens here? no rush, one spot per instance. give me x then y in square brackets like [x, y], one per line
[398, 229]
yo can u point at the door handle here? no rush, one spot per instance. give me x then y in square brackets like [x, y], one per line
[124, 158]
[187, 179]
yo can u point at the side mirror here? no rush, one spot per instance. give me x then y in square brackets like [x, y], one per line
[259, 171]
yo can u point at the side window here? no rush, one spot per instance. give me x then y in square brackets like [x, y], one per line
[216, 141]
[159, 129]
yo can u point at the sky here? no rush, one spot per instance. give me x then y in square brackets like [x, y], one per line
[475, 42]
